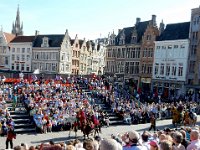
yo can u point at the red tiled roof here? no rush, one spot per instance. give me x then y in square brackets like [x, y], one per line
[23, 39]
[9, 37]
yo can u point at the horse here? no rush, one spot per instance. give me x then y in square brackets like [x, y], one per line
[87, 129]
[192, 118]
[177, 117]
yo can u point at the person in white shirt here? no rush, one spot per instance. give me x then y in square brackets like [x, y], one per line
[195, 141]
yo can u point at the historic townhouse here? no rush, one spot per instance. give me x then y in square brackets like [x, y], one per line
[123, 55]
[98, 62]
[83, 57]
[21, 53]
[75, 56]
[147, 53]
[193, 78]
[5, 39]
[170, 60]
[52, 54]
[90, 48]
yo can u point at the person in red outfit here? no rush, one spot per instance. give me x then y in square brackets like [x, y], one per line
[10, 136]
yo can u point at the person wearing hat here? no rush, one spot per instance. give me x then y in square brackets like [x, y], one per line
[131, 140]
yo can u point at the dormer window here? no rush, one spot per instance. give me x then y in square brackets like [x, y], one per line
[134, 39]
[148, 37]
[45, 42]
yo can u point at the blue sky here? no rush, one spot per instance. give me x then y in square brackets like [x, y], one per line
[90, 18]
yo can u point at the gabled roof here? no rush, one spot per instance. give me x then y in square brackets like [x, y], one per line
[54, 40]
[19, 39]
[9, 37]
[128, 31]
[175, 31]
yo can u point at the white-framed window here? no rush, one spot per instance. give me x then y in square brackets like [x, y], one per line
[169, 46]
[180, 69]
[23, 50]
[27, 67]
[13, 66]
[174, 70]
[23, 58]
[13, 57]
[22, 67]
[162, 69]
[182, 46]
[13, 50]
[167, 69]
[17, 66]
[175, 46]
[18, 50]
[28, 50]
[18, 58]
[27, 57]
[156, 69]
[67, 67]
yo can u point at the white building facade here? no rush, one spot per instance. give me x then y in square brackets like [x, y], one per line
[52, 54]
[170, 67]
[21, 53]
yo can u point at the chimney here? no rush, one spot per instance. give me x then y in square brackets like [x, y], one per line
[37, 32]
[153, 19]
[138, 20]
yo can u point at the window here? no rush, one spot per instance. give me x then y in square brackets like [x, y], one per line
[22, 67]
[67, 67]
[174, 70]
[28, 50]
[13, 66]
[53, 67]
[27, 57]
[62, 67]
[17, 57]
[156, 69]
[13, 57]
[175, 46]
[118, 53]
[13, 50]
[167, 70]
[163, 47]
[170, 47]
[148, 37]
[131, 67]
[194, 50]
[23, 57]
[149, 69]
[23, 50]
[158, 47]
[27, 68]
[182, 46]
[63, 57]
[127, 67]
[17, 66]
[6, 60]
[18, 50]
[137, 67]
[180, 71]
[162, 68]
[192, 66]
[76, 45]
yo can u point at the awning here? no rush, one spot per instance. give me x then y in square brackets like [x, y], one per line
[146, 80]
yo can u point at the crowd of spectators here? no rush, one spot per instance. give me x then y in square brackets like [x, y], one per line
[185, 138]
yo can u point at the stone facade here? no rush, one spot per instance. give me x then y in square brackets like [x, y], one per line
[124, 52]
[147, 53]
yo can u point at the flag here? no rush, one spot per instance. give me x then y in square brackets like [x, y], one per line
[36, 71]
[58, 77]
[34, 77]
